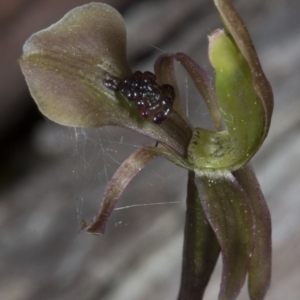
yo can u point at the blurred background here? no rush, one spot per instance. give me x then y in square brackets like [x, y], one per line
[51, 176]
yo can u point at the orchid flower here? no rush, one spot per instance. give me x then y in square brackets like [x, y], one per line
[78, 74]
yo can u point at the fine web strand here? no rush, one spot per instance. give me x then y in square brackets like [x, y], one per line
[95, 156]
[145, 204]
[186, 96]
[142, 41]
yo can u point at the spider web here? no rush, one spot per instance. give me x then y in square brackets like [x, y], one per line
[94, 156]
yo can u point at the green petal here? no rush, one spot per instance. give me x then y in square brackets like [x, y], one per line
[241, 108]
[201, 248]
[125, 173]
[230, 215]
[244, 95]
[261, 260]
[238, 30]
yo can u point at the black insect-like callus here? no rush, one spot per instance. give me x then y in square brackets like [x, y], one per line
[154, 101]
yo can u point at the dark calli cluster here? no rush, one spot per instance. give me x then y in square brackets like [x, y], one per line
[151, 99]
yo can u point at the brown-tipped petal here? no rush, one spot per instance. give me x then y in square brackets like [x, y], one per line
[204, 85]
[236, 27]
[260, 264]
[201, 248]
[230, 215]
[125, 173]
